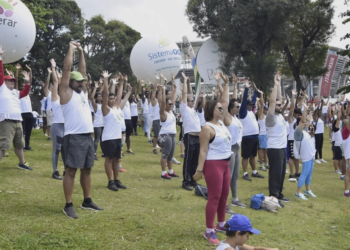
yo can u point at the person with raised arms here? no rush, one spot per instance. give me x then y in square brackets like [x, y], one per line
[155, 111]
[192, 127]
[78, 145]
[276, 142]
[346, 150]
[47, 92]
[112, 134]
[167, 133]
[213, 162]
[10, 115]
[261, 114]
[57, 127]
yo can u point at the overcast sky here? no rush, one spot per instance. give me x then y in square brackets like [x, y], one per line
[167, 17]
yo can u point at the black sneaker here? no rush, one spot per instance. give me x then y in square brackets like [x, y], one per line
[166, 176]
[150, 142]
[284, 199]
[145, 134]
[246, 177]
[24, 166]
[292, 176]
[173, 175]
[112, 186]
[257, 175]
[91, 206]
[193, 183]
[70, 212]
[57, 176]
[155, 151]
[281, 204]
[119, 184]
[103, 155]
[130, 152]
[297, 175]
[187, 186]
[49, 138]
[28, 148]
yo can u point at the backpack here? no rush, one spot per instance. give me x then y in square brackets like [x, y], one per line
[256, 201]
[201, 191]
[270, 204]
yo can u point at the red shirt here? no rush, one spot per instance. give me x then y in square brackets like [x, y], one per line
[345, 133]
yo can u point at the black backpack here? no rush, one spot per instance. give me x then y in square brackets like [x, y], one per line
[201, 191]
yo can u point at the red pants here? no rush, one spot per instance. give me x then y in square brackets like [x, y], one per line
[217, 176]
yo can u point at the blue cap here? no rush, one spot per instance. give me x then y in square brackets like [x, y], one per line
[239, 222]
[265, 107]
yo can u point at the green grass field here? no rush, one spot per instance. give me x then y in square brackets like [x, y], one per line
[153, 213]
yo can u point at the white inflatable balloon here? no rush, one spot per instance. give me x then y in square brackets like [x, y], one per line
[17, 30]
[151, 55]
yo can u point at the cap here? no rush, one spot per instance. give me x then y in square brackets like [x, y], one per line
[239, 222]
[8, 77]
[249, 102]
[76, 75]
[265, 107]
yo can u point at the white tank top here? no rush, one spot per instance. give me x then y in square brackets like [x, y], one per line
[48, 107]
[113, 125]
[262, 126]
[291, 130]
[133, 109]
[98, 120]
[26, 104]
[145, 106]
[77, 115]
[201, 117]
[10, 105]
[338, 138]
[346, 148]
[42, 101]
[150, 110]
[250, 125]
[169, 125]
[57, 112]
[155, 112]
[277, 135]
[236, 129]
[220, 147]
[126, 111]
[123, 126]
[319, 126]
[224, 246]
[305, 150]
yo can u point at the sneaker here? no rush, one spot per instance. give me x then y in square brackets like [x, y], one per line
[228, 211]
[119, 184]
[112, 186]
[262, 167]
[123, 170]
[56, 175]
[297, 175]
[91, 206]
[150, 142]
[284, 199]
[6, 155]
[155, 151]
[96, 158]
[342, 177]
[174, 175]
[280, 203]
[28, 148]
[257, 175]
[301, 196]
[338, 171]
[321, 160]
[246, 177]
[292, 176]
[130, 152]
[103, 155]
[24, 166]
[347, 194]
[166, 176]
[157, 146]
[70, 212]
[212, 238]
[49, 138]
[176, 161]
[187, 186]
[193, 183]
[182, 155]
[310, 193]
[237, 203]
[220, 229]
[267, 166]
[317, 161]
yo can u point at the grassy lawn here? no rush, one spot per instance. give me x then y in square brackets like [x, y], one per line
[153, 213]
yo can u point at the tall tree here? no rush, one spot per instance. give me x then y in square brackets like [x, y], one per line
[309, 30]
[246, 31]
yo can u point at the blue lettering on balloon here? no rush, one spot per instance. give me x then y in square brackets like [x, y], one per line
[157, 54]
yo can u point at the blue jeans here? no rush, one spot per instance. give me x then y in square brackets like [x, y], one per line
[145, 126]
[306, 173]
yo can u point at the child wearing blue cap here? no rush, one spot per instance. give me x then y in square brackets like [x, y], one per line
[238, 229]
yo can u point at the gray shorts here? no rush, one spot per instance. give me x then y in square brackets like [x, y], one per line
[78, 151]
[156, 128]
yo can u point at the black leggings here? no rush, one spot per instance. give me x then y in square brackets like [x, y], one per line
[319, 145]
[134, 123]
[181, 132]
[27, 125]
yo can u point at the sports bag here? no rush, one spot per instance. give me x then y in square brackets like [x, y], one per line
[256, 201]
[270, 204]
[201, 191]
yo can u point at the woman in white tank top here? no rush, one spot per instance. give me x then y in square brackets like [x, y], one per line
[111, 135]
[96, 103]
[214, 158]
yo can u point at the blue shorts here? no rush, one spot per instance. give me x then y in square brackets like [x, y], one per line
[262, 141]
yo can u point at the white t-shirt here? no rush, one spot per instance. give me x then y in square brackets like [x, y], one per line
[155, 112]
[319, 126]
[277, 135]
[42, 102]
[113, 123]
[262, 126]
[305, 149]
[223, 246]
[201, 117]
[133, 109]
[26, 104]
[98, 120]
[57, 112]
[250, 125]
[10, 105]
[126, 111]
[236, 130]
[190, 119]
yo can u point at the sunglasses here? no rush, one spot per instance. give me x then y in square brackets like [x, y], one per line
[237, 106]
[220, 109]
[279, 105]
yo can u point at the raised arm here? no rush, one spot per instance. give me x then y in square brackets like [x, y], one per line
[54, 94]
[65, 91]
[153, 97]
[25, 91]
[279, 95]
[235, 86]
[82, 65]
[292, 107]
[243, 109]
[261, 105]
[126, 97]
[273, 95]
[118, 97]
[105, 93]
[184, 89]
[93, 93]
[285, 105]
[224, 100]
[1, 66]
[18, 67]
[46, 86]
[162, 112]
[173, 91]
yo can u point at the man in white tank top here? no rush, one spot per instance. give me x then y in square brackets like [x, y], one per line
[78, 130]
[276, 142]
[10, 115]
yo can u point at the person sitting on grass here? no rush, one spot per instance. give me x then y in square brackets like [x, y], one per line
[238, 229]
[304, 149]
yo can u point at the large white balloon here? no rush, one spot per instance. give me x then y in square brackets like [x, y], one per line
[151, 55]
[17, 30]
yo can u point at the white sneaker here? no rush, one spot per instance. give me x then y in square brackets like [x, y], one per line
[176, 161]
[323, 161]
[301, 196]
[317, 161]
[310, 193]
[157, 146]
[45, 134]
[338, 171]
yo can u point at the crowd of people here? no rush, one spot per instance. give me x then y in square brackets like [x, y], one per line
[78, 114]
